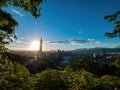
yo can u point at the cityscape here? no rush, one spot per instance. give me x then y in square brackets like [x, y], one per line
[59, 45]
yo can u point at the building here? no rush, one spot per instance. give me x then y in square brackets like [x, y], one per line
[39, 52]
[41, 44]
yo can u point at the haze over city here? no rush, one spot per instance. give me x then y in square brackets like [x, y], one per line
[66, 25]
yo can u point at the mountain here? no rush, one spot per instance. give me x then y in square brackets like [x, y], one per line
[96, 50]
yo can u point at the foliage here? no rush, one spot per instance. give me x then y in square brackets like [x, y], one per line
[8, 24]
[80, 77]
[117, 63]
[48, 80]
[82, 80]
[97, 69]
[41, 66]
[12, 75]
[43, 63]
[106, 69]
[82, 64]
[115, 19]
[16, 58]
[32, 6]
[7, 28]
[111, 82]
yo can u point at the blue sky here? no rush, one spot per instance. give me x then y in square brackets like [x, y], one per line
[66, 24]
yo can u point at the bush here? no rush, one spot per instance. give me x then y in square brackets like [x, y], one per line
[111, 82]
[82, 64]
[13, 76]
[48, 80]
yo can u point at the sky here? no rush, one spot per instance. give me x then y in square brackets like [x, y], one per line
[66, 25]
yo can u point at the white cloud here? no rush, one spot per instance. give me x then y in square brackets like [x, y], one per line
[73, 42]
[97, 42]
[91, 39]
[19, 42]
[17, 12]
[116, 46]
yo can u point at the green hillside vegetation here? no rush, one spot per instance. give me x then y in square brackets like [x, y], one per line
[78, 75]
[12, 75]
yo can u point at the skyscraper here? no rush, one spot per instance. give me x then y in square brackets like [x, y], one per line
[41, 42]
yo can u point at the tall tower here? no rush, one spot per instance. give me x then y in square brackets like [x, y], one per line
[41, 42]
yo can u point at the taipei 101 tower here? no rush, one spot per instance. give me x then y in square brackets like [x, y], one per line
[41, 43]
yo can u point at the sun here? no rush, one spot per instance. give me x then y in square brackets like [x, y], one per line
[34, 45]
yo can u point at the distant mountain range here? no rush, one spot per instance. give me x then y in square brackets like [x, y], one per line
[97, 49]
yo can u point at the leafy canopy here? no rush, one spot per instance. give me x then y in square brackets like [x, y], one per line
[32, 6]
[7, 28]
[8, 23]
[115, 19]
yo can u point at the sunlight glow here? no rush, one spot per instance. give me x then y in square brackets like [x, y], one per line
[34, 45]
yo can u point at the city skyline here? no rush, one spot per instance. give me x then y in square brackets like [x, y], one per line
[66, 25]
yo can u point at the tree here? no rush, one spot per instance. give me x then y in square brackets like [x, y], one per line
[111, 82]
[82, 64]
[48, 80]
[13, 76]
[82, 80]
[32, 6]
[115, 19]
[8, 23]
[7, 28]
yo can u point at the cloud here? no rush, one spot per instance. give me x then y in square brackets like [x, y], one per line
[73, 42]
[90, 39]
[97, 42]
[22, 38]
[19, 42]
[17, 12]
[60, 42]
[77, 41]
[118, 46]
[19, 45]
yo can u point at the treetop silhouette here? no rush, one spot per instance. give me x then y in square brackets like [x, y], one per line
[32, 6]
[115, 19]
[7, 28]
[8, 23]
